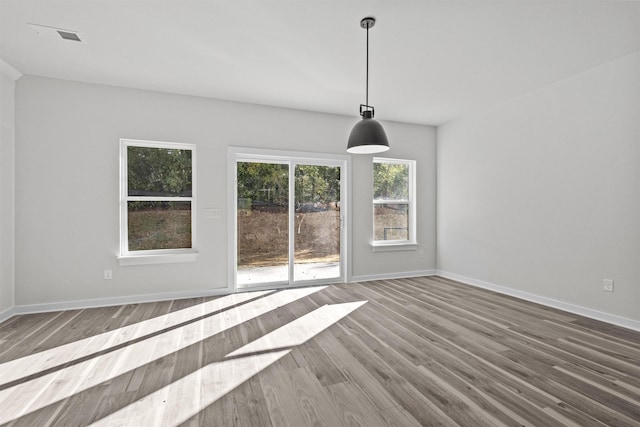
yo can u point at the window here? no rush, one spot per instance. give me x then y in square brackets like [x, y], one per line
[157, 201]
[394, 222]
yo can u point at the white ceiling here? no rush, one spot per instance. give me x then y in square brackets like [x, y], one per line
[431, 61]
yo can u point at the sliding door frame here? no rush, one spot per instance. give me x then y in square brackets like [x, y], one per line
[292, 158]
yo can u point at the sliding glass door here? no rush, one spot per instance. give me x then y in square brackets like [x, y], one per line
[288, 222]
[316, 225]
[262, 216]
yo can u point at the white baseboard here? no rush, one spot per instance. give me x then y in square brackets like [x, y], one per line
[549, 302]
[137, 299]
[399, 275]
[6, 314]
[106, 302]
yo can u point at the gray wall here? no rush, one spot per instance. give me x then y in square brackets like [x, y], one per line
[7, 103]
[67, 184]
[542, 194]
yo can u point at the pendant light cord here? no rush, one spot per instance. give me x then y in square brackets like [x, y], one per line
[367, 89]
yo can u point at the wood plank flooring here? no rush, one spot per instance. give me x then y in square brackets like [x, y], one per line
[406, 352]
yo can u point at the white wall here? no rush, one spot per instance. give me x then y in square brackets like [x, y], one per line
[542, 194]
[368, 265]
[7, 145]
[67, 184]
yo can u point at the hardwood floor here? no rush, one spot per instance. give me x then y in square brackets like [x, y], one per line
[405, 352]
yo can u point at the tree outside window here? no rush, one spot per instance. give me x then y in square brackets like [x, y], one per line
[158, 196]
[393, 200]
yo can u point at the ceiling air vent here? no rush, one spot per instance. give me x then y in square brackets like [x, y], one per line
[56, 33]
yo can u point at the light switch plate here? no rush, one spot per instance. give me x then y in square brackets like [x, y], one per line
[212, 213]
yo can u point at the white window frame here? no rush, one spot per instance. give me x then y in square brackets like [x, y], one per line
[155, 256]
[397, 245]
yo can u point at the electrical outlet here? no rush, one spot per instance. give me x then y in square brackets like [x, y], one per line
[108, 275]
[421, 253]
[607, 285]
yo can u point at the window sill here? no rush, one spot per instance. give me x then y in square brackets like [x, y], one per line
[394, 247]
[124, 260]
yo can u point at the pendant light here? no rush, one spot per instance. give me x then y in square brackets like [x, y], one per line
[367, 136]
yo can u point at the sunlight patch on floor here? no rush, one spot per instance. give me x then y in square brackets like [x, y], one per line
[39, 392]
[37, 362]
[300, 330]
[186, 397]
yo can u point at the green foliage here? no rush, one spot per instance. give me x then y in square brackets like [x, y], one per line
[317, 184]
[269, 183]
[159, 172]
[390, 181]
